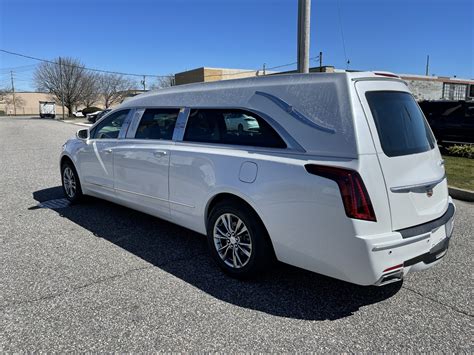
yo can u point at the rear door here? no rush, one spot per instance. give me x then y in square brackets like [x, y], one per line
[141, 162]
[411, 163]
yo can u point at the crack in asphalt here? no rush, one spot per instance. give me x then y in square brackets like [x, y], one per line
[95, 282]
[437, 301]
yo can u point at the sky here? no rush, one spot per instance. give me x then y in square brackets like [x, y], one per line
[165, 37]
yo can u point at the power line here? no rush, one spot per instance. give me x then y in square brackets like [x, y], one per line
[256, 70]
[143, 75]
[77, 66]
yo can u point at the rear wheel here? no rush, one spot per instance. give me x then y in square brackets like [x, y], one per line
[237, 240]
[71, 184]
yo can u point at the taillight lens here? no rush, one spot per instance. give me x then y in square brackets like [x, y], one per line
[354, 195]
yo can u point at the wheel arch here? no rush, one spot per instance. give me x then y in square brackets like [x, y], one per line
[229, 196]
[65, 158]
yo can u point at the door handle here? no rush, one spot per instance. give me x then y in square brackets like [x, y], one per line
[159, 153]
[107, 151]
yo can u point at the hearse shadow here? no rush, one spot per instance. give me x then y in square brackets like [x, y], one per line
[284, 291]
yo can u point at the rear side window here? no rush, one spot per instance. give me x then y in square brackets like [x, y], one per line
[157, 124]
[400, 123]
[226, 126]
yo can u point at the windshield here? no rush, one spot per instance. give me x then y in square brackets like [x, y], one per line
[400, 123]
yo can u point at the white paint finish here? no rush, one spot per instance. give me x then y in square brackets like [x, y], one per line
[414, 207]
[248, 172]
[141, 172]
[96, 162]
[303, 213]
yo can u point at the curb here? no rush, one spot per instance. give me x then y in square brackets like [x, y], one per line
[76, 123]
[461, 194]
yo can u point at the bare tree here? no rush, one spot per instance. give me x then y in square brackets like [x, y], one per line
[91, 89]
[3, 94]
[66, 82]
[163, 82]
[114, 88]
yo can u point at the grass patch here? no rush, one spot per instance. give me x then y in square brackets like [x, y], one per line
[460, 172]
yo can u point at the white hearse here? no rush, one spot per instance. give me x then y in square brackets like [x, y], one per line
[335, 173]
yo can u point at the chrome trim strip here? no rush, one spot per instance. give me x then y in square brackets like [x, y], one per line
[426, 185]
[136, 118]
[153, 197]
[180, 125]
[385, 78]
[98, 185]
[397, 244]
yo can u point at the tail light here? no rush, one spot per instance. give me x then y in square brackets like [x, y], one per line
[354, 195]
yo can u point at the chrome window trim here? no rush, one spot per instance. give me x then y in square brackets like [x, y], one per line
[181, 123]
[290, 142]
[126, 124]
[137, 116]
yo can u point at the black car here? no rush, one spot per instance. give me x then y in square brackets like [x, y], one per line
[97, 116]
[451, 121]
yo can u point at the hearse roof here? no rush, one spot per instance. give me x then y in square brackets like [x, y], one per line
[314, 109]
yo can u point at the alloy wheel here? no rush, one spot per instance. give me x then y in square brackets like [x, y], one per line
[69, 181]
[232, 240]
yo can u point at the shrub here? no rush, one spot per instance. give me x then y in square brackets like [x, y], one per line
[92, 109]
[465, 151]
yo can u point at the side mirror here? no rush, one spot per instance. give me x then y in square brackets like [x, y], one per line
[82, 133]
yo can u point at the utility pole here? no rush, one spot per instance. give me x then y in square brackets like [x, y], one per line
[427, 72]
[320, 62]
[61, 84]
[264, 69]
[304, 12]
[13, 93]
[144, 82]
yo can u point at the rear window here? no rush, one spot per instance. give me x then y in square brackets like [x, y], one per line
[400, 123]
[229, 126]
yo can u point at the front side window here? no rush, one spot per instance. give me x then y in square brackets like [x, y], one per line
[157, 124]
[400, 123]
[110, 126]
[229, 126]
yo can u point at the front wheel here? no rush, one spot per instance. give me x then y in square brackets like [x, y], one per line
[71, 184]
[238, 240]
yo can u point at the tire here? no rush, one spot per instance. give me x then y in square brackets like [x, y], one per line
[252, 249]
[71, 184]
[41, 116]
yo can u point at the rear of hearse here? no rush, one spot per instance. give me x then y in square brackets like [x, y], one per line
[403, 222]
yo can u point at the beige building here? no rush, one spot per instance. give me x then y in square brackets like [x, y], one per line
[205, 74]
[423, 87]
[27, 103]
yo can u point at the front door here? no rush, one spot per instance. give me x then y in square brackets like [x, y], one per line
[96, 159]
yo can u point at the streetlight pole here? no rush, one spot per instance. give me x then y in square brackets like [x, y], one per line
[304, 13]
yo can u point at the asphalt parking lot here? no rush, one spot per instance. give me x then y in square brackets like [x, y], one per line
[100, 277]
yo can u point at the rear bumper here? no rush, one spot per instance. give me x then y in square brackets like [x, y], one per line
[417, 248]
